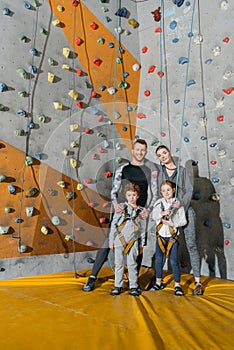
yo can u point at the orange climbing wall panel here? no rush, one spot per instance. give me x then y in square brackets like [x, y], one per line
[45, 207]
[75, 22]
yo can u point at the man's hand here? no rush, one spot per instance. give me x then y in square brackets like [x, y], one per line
[176, 204]
[119, 207]
[144, 213]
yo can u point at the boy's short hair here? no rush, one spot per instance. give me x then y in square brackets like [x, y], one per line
[132, 187]
[141, 141]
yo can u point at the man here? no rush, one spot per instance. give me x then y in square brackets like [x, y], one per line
[169, 171]
[143, 173]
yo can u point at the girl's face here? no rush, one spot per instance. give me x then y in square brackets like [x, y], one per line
[131, 197]
[164, 156]
[167, 192]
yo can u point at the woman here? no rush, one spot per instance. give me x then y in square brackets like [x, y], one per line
[184, 190]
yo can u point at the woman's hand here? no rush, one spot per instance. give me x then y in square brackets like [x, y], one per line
[111, 246]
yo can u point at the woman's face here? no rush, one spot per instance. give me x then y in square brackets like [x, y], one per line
[164, 156]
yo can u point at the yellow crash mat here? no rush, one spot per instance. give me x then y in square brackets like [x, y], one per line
[52, 312]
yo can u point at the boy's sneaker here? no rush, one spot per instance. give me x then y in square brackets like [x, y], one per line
[198, 289]
[116, 291]
[134, 292]
[90, 284]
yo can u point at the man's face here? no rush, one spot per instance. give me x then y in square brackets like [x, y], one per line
[164, 156]
[139, 152]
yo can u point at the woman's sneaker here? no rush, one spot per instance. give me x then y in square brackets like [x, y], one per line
[198, 289]
[90, 284]
[157, 286]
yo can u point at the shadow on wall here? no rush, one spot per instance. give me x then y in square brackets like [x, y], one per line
[209, 228]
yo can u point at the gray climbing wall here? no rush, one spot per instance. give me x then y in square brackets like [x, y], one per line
[179, 92]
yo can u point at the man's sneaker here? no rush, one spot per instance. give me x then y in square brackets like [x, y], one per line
[90, 284]
[198, 289]
[134, 292]
[116, 291]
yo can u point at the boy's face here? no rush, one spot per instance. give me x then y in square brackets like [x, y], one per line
[167, 191]
[131, 197]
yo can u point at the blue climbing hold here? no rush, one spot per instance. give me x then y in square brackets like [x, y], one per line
[102, 87]
[31, 125]
[173, 25]
[175, 40]
[185, 124]
[203, 138]
[190, 34]
[32, 69]
[33, 52]
[183, 60]
[92, 110]
[226, 224]
[22, 113]
[178, 3]
[124, 128]
[176, 101]
[126, 74]
[108, 19]
[27, 5]
[121, 50]
[215, 180]
[122, 12]
[11, 189]
[111, 45]
[6, 11]
[186, 139]
[196, 196]
[201, 104]
[212, 145]
[38, 156]
[129, 108]
[191, 82]
[3, 87]
[187, 3]
[208, 61]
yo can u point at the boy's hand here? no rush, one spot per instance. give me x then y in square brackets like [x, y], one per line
[118, 207]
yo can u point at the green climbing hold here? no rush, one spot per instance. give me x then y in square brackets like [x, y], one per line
[22, 72]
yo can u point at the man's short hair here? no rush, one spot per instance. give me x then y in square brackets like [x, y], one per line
[141, 141]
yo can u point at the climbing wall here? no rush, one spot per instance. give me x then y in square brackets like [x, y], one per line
[80, 80]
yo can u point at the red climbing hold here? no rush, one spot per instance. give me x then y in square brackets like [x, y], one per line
[163, 134]
[228, 91]
[94, 157]
[87, 131]
[226, 242]
[147, 93]
[97, 61]
[88, 181]
[220, 118]
[79, 104]
[75, 3]
[157, 14]
[101, 150]
[160, 74]
[226, 40]
[108, 174]
[213, 162]
[93, 94]
[78, 41]
[151, 69]
[144, 49]
[158, 30]
[141, 115]
[93, 25]
[79, 72]
[100, 118]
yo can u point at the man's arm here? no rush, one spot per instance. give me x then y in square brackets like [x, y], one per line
[116, 186]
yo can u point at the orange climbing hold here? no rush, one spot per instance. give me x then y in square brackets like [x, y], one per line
[228, 91]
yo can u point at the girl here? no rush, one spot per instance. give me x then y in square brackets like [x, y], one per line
[167, 219]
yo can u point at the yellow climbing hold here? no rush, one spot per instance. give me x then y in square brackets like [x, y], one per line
[66, 52]
[44, 230]
[74, 144]
[65, 67]
[51, 77]
[74, 94]
[74, 127]
[65, 152]
[73, 163]
[79, 187]
[133, 23]
[56, 22]
[58, 105]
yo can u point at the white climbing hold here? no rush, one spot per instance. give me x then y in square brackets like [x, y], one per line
[111, 90]
[55, 220]
[203, 121]
[29, 211]
[80, 187]
[224, 5]
[135, 67]
[198, 39]
[60, 8]
[216, 50]
[23, 249]
[4, 230]
[228, 74]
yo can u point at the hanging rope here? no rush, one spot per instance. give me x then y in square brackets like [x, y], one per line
[184, 99]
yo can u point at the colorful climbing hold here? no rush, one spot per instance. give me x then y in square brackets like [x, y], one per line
[147, 93]
[173, 25]
[228, 91]
[151, 69]
[93, 25]
[183, 60]
[97, 61]
[220, 118]
[226, 40]
[144, 49]
[157, 14]
[133, 23]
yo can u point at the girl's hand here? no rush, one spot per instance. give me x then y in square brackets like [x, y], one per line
[168, 222]
[176, 204]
